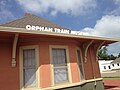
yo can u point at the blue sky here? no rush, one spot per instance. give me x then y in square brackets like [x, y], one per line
[74, 22]
[93, 17]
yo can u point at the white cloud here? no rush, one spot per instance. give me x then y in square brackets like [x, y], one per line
[116, 11]
[4, 12]
[107, 26]
[73, 7]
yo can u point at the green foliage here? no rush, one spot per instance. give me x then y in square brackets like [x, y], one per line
[118, 55]
[111, 57]
[102, 54]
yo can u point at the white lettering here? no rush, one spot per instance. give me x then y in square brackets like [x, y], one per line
[37, 28]
[50, 29]
[47, 29]
[28, 27]
[41, 28]
[33, 28]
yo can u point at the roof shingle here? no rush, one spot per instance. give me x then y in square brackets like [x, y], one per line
[30, 19]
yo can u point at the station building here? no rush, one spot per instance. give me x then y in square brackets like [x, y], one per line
[36, 54]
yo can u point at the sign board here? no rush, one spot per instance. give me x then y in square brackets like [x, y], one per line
[47, 29]
[56, 30]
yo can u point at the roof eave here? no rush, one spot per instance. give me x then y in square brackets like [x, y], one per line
[22, 30]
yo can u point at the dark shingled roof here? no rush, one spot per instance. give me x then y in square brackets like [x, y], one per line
[30, 19]
[116, 60]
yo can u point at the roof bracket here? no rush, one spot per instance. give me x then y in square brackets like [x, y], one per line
[84, 48]
[14, 50]
[97, 47]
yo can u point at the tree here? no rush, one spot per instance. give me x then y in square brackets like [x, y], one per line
[104, 50]
[102, 54]
[118, 55]
[112, 57]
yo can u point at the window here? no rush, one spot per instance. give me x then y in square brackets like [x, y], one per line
[80, 65]
[60, 65]
[104, 67]
[29, 67]
[113, 65]
[109, 67]
[118, 64]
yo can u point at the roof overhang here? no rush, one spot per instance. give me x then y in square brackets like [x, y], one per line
[33, 32]
[86, 41]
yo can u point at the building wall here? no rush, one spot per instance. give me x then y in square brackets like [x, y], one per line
[91, 66]
[73, 63]
[10, 76]
[45, 68]
[116, 65]
[95, 63]
[105, 65]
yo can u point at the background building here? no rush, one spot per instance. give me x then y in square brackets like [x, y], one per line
[115, 64]
[107, 65]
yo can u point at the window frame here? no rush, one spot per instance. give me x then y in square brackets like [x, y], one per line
[36, 47]
[52, 67]
[81, 62]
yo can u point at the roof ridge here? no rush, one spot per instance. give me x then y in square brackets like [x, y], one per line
[29, 14]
